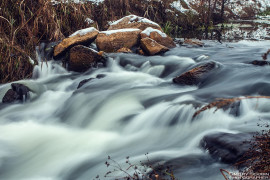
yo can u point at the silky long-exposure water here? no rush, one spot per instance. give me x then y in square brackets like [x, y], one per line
[65, 133]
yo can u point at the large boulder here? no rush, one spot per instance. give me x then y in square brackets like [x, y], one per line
[113, 40]
[151, 47]
[195, 75]
[82, 58]
[158, 36]
[228, 148]
[84, 36]
[18, 92]
[133, 21]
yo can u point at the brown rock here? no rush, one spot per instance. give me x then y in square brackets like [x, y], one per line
[133, 21]
[82, 58]
[193, 42]
[158, 36]
[140, 51]
[151, 47]
[111, 41]
[195, 75]
[124, 50]
[84, 36]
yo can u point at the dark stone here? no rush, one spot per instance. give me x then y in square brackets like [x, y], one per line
[100, 76]
[19, 92]
[195, 75]
[260, 63]
[82, 58]
[84, 81]
[10, 96]
[229, 148]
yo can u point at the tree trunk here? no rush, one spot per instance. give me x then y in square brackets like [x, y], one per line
[222, 10]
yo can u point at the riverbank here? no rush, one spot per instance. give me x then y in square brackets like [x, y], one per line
[28, 24]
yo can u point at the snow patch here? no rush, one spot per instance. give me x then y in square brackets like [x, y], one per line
[134, 18]
[83, 32]
[118, 30]
[236, 6]
[89, 21]
[149, 30]
[97, 2]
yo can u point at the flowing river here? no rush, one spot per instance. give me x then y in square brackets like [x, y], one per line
[65, 133]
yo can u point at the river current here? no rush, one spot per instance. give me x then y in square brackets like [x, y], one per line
[65, 133]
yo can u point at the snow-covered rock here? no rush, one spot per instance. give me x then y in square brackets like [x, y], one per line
[83, 36]
[133, 21]
[158, 36]
[151, 47]
[113, 40]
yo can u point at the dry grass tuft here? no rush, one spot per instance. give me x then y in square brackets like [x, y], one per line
[24, 24]
[264, 56]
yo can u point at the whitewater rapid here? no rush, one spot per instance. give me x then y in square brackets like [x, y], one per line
[65, 133]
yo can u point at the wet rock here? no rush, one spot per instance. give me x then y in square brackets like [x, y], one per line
[140, 51]
[84, 36]
[229, 148]
[19, 92]
[124, 50]
[151, 47]
[111, 41]
[82, 58]
[193, 42]
[133, 21]
[195, 75]
[158, 36]
[10, 96]
[84, 81]
[99, 76]
[260, 63]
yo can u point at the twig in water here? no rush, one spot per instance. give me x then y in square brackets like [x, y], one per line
[222, 102]
[264, 56]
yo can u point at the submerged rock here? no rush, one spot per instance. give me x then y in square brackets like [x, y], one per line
[82, 58]
[84, 36]
[113, 40]
[151, 47]
[260, 63]
[193, 42]
[84, 81]
[158, 36]
[229, 148]
[195, 75]
[133, 21]
[99, 76]
[19, 92]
